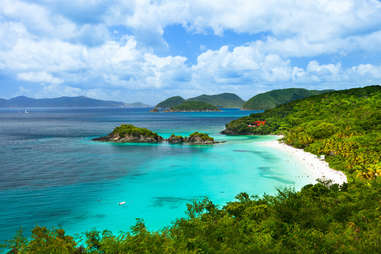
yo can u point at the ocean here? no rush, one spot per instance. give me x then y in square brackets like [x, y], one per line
[52, 173]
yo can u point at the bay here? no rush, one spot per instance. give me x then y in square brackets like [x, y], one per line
[53, 174]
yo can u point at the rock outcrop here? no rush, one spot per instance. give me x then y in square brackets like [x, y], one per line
[127, 133]
[173, 139]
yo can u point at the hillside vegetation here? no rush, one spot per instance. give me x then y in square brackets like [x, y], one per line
[274, 98]
[317, 219]
[193, 106]
[170, 102]
[224, 100]
[345, 126]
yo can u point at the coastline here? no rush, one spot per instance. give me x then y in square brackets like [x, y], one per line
[315, 167]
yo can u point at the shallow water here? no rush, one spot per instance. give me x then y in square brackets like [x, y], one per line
[52, 174]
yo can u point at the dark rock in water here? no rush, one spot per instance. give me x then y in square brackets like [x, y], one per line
[173, 139]
[200, 138]
[195, 138]
[154, 110]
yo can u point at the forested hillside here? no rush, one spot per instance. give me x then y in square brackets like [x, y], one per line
[170, 102]
[345, 126]
[193, 106]
[224, 100]
[274, 98]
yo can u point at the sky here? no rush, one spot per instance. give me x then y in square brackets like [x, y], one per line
[147, 51]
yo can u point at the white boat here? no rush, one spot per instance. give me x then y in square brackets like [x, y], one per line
[26, 111]
[122, 203]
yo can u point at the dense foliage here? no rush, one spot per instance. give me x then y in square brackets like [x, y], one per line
[170, 102]
[131, 130]
[318, 219]
[345, 126]
[194, 138]
[194, 106]
[274, 98]
[224, 100]
[202, 136]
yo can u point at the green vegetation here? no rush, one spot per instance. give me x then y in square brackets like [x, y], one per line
[274, 98]
[321, 218]
[317, 219]
[170, 102]
[224, 100]
[130, 130]
[173, 136]
[128, 133]
[202, 136]
[194, 138]
[194, 106]
[343, 125]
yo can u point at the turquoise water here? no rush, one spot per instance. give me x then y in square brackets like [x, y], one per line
[53, 174]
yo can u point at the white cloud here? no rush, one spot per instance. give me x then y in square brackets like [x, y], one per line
[366, 70]
[246, 65]
[295, 26]
[40, 77]
[72, 46]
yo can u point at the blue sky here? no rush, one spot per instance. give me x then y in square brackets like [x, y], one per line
[150, 50]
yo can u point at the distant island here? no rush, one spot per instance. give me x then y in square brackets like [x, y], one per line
[193, 106]
[274, 98]
[79, 101]
[261, 101]
[170, 102]
[128, 133]
[223, 100]
[210, 103]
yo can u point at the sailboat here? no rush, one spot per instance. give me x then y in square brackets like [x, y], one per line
[26, 111]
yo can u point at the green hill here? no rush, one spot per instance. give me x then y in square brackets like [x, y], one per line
[170, 102]
[274, 98]
[224, 100]
[345, 126]
[193, 106]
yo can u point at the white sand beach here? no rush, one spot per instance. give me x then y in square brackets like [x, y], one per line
[314, 166]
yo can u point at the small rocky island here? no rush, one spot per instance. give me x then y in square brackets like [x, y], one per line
[195, 138]
[128, 133]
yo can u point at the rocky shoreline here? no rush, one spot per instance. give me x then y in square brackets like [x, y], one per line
[128, 133]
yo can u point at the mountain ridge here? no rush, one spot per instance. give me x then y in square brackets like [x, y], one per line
[64, 101]
[276, 97]
[224, 100]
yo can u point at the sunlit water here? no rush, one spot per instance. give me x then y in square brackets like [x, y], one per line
[52, 174]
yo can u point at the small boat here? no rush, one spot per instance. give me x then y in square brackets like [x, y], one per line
[26, 111]
[122, 203]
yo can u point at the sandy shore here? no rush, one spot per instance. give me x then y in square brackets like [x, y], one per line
[314, 166]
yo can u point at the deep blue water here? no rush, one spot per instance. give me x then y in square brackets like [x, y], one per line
[52, 174]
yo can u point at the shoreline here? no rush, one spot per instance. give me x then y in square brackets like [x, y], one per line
[315, 167]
